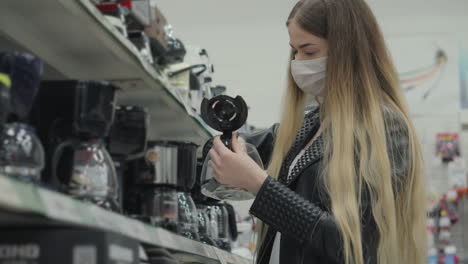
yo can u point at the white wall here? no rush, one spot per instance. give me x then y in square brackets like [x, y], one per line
[248, 43]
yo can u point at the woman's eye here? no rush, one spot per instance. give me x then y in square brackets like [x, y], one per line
[310, 54]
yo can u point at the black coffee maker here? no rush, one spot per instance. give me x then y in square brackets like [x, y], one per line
[21, 152]
[126, 142]
[160, 192]
[73, 118]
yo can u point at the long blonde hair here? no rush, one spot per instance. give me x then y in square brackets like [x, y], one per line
[362, 87]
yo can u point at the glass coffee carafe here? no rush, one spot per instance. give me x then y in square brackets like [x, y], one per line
[21, 152]
[93, 175]
[160, 204]
[188, 216]
[211, 188]
[225, 114]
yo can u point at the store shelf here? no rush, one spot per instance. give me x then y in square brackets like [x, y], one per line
[26, 204]
[77, 42]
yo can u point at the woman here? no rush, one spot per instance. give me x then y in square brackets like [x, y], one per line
[344, 182]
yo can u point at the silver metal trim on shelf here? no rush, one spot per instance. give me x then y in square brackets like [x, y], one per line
[23, 199]
[77, 42]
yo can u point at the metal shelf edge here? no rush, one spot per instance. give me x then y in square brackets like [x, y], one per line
[22, 197]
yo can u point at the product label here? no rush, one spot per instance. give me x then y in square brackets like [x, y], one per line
[24, 251]
[121, 254]
[84, 255]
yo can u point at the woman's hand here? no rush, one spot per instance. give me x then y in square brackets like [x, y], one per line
[235, 167]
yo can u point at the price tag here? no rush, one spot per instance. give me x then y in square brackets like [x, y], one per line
[59, 206]
[8, 195]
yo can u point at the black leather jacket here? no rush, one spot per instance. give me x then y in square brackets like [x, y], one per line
[297, 207]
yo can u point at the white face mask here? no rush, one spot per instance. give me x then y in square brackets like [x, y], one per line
[309, 75]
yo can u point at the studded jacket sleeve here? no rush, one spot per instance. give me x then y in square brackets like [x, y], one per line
[289, 213]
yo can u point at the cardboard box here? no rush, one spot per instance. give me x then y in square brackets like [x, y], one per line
[156, 30]
[65, 246]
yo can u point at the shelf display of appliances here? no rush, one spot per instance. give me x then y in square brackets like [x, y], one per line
[146, 27]
[73, 130]
[161, 188]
